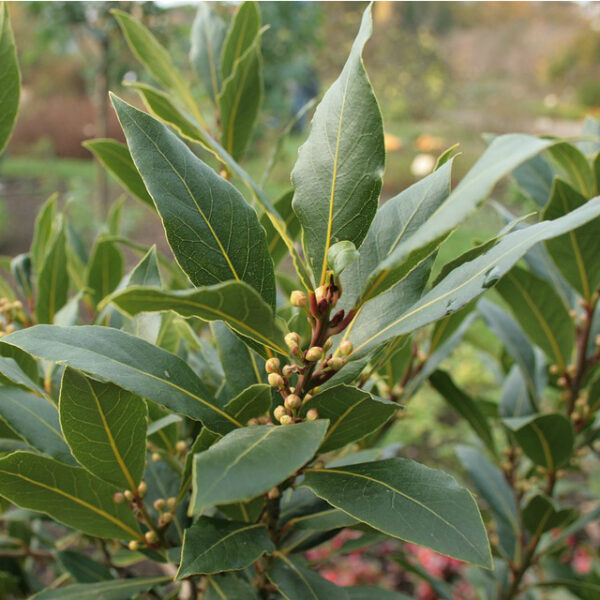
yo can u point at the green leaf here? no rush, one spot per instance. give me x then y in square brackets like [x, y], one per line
[535, 177]
[82, 568]
[409, 501]
[131, 363]
[234, 302]
[252, 402]
[242, 32]
[341, 255]
[43, 232]
[352, 414]
[540, 312]
[35, 420]
[117, 160]
[208, 34]
[14, 374]
[105, 427]
[118, 589]
[229, 586]
[105, 270]
[461, 286]
[69, 495]
[464, 405]
[53, 281]
[490, 483]
[573, 167]
[575, 253]
[156, 59]
[214, 545]
[504, 154]
[546, 439]
[215, 236]
[20, 268]
[250, 461]
[10, 78]
[337, 177]
[146, 272]
[277, 246]
[395, 222]
[296, 582]
[541, 515]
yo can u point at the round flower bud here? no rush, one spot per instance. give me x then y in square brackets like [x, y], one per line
[128, 495]
[171, 502]
[275, 380]
[181, 446]
[336, 363]
[273, 493]
[293, 402]
[307, 397]
[133, 545]
[286, 420]
[321, 293]
[313, 354]
[346, 348]
[155, 457]
[288, 370]
[292, 339]
[166, 518]
[151, 537]
[118, 498]
[142, 489]
[328, 343]
[272, 365]
[312, 414]
[279, 412]
[160, 504]
[298, 298]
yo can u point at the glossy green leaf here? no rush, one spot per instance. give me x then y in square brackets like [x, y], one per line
[337, 177]
[395, 222]
[277, 246]
[241, 34]
[105, 427]
[252, 402]
[504, 154]
[352, 414]
[208, 34]
[82, 568]
[341, 255]
[214, 545]
[146, 272]
[234, 302]
[240, 100]
[53, 281]
[229, 586]
[464, 405]
[156, 59]
[515, 400]
[575, 254]
[462, 285]
[409, 501]
[540, 515]
[70, 495]
[12, 373]
[546, 439]
[250, 461]
[540, 312]
[10, 78]
[118, 589]
[492, 486]
[131, 363]
[573, 167]
[105, 269]
[296, 582]
[35, 420]
[43, 232]
[117, 160]
[213, 233]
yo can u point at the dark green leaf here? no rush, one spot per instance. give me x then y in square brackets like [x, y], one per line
[105, 270]
[14, 374]
[250, 461]
[252, 402]
[241, 35]
[573, 167]
[337, 177]
[82, 568]
[53, 281]
[117, 160]
[70, 495]
[214, 234]
[214, 545]
[409, 501]
[131, 363]
[105, 427]
[341, 255]
[535, 177]
[464, 405]
[229, 586]
[43, 232]
[10, 78]
[352, 414]
[234, 302]
[546, 439]
[541, 515]
[277, 247]
[35, 420]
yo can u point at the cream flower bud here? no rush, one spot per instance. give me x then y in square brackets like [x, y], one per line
[346, 348]
[298, 298]
[312, 414]
[328, 343]
[292, 339]
[286, 420]
[272, 365]
[288, 370]
[336, 363]
[293, 402]
[279, 412]
[313, 354]
[321, 293]
[133, 545]
[275, 380]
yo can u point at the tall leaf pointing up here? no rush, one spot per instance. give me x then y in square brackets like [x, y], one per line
[214, 234]
[337, 178]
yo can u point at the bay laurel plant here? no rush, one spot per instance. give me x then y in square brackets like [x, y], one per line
[208, 420]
